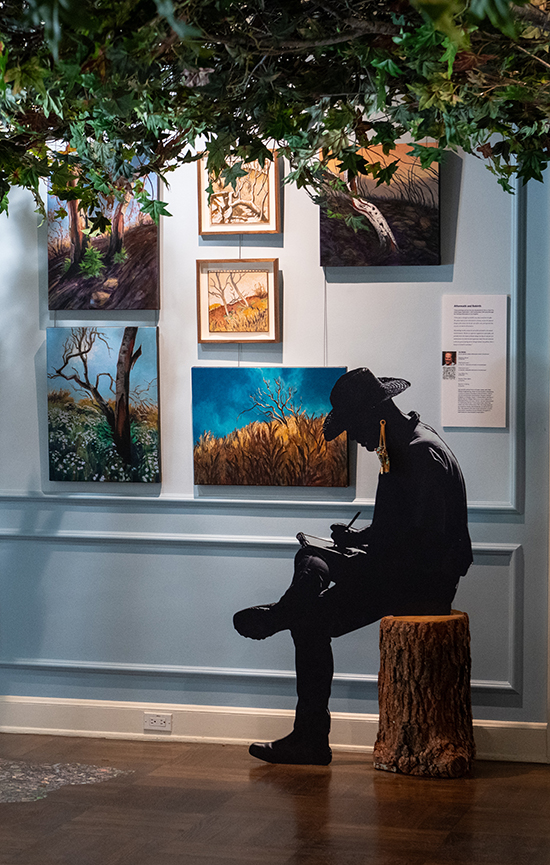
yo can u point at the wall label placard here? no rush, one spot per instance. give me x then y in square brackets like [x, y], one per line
[473, 360]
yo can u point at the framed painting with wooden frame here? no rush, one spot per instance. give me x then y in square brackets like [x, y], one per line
[251, 206]
[238, 301]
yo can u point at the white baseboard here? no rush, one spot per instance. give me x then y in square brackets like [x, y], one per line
[495, 740]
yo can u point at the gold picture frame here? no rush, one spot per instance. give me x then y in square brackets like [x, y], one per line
[238, 300]
[252, 206]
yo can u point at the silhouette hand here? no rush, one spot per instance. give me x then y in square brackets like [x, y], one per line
[341, 535]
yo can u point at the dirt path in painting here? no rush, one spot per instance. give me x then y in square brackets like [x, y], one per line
[134, 284]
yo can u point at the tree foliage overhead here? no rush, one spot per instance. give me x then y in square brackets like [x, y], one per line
[108, 91]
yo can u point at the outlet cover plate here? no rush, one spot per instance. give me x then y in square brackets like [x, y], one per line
[160, 722]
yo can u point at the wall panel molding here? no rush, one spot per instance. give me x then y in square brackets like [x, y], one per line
[163, 670]
[506, 551]
[189, 503]
[188, 539]
[205, 544]
[511, 555]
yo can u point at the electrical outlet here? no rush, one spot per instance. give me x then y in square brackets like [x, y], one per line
[156, 721]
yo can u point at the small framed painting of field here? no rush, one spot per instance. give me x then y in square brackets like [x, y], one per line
[263, 426]
[248, 205]
[103, 411]
[114, 269]
[397, 223]
[238, 301]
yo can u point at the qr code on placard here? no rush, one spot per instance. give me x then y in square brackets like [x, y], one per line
[449, 372]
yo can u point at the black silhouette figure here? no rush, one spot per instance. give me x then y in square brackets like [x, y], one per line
[408, 561]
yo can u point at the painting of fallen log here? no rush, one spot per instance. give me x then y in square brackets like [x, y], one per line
[366, 223]
[103, 416]
[243, 199]
[264, 426]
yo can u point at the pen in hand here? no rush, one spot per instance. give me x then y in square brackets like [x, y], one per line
[351, 522]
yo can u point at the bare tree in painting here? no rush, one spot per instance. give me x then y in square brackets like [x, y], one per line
[223, 287]
[77, 348]
[235, 286]
[217, 289]
[247, 201]
[276, 402]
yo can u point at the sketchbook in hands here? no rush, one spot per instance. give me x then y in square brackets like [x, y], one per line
[326, 545]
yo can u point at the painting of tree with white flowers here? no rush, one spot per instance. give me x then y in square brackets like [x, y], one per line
[103, 418]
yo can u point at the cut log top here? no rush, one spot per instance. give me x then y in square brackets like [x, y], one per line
[454, 614]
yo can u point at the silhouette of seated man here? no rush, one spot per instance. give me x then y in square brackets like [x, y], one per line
[413, 554]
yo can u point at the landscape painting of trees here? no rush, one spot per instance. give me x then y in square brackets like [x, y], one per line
[114, 269]
[264, 426]
[243, 199]
[103, 414]
[238, 301]
[379, 223]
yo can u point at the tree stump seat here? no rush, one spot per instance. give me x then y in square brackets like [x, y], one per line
[425, 725]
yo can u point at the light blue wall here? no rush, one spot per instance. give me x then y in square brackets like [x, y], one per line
[127, 593]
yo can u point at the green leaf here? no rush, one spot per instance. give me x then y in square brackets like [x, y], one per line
[99, 223]
[451, 50]
[353, 163]
[385, 175]
[387, 65]
[531, 165]
[154, 208]
[232, 173]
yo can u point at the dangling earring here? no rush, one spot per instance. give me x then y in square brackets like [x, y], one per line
[382, 451]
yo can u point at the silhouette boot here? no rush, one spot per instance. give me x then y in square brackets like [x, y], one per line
[308, 744]
[299, 748]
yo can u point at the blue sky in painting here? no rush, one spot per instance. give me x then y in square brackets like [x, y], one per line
[100, 360]
[220, 394]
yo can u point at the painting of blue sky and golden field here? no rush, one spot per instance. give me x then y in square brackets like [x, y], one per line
[264, 426]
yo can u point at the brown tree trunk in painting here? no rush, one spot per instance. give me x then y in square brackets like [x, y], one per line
[425, 723]
[116, 241]
[126, 360]
[77, 238]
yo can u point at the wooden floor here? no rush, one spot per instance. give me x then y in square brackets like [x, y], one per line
[185, 804]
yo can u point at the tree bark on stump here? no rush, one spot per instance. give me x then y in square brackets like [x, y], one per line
[425, 725]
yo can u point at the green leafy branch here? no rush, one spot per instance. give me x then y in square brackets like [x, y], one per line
[111, 91]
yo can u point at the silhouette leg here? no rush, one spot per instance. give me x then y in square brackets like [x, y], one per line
[308, 742]
[311, 576]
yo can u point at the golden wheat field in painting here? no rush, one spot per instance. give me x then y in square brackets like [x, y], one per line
[273, 454]
[264, 426]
